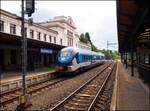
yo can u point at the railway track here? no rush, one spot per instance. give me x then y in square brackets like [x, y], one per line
[85, 97]
[13, 95]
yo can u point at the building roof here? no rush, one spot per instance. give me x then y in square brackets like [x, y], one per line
[14, 16]
[60, 19]
[133, 17]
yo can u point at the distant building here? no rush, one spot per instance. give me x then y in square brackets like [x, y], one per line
[66, 31]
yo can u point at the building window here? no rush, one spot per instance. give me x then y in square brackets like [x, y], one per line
[61, 41]
[12, 28]
[39, 35]
[50, 38]
[31, 33]
[25, 31]
[69, 33]
[70, 41]
[1, 26]
[44, 37]
[54, 39]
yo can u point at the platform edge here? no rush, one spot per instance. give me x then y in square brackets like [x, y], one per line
[113, 104]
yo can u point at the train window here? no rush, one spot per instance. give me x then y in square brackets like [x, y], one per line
[65, 53]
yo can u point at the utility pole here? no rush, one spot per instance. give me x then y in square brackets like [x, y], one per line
[108, 44]
[107, 48]
[24, 51]
[29, 10]
[23, 97]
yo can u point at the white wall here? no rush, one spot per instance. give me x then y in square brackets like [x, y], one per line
[8, 19]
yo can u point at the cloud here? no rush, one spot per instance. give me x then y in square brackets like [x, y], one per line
[96, 17]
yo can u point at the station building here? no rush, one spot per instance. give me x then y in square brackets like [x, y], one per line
[44, 40]
[67, 31]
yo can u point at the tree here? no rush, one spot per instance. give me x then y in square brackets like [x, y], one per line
[87, 36]
[110, 54]
[83, 39]
[94, 48]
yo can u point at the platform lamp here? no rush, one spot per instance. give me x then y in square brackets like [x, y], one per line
[29, 10]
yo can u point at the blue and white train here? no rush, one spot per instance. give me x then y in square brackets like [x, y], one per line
[71, 59]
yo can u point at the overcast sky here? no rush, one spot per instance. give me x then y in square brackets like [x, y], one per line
[96, 17]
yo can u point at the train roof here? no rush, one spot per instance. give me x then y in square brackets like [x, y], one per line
[82, 51]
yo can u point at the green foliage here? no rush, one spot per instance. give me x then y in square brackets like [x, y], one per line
[85, 38]
[94, 48]
[110, 54]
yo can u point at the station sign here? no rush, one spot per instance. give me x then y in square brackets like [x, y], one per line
[46, 51]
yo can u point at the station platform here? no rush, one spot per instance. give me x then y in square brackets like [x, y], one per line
[10, 76]
[129, 93]
[12, 80]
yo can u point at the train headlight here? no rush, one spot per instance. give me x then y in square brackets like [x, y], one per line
[60, 68]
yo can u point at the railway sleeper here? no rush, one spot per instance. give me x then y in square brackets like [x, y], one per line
[99, 109]
[108, 95]
[100, 106]
[104, 97]
[81, 97]
[90, 90]
[66, 108]
[92, 85]
[86, 95]
[81, 100]
[76, 106]
[99, 102]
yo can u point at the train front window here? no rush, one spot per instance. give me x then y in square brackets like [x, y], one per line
[65, 53]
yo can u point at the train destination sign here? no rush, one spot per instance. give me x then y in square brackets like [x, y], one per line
[46, 51]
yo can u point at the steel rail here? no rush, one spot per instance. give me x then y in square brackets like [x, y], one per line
[15, 96]
[9, 96]
[77, 90]
[100, 90]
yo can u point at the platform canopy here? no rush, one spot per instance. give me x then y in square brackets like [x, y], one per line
[14, 41]
[133, 18]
